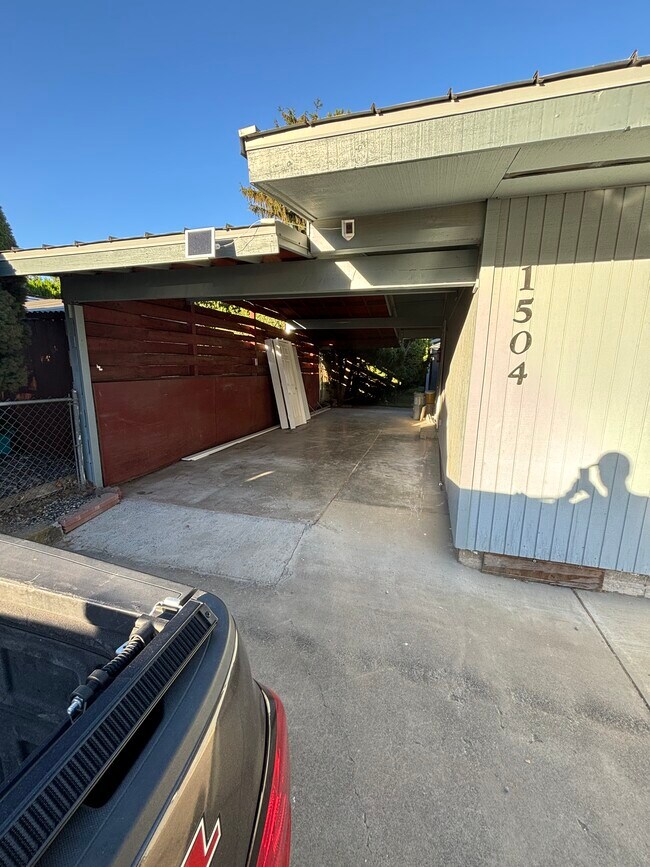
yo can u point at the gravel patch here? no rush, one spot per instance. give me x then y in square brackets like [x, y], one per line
[44, 510]
[22, 472]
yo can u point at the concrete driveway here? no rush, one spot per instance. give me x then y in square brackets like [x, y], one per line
[437, 715]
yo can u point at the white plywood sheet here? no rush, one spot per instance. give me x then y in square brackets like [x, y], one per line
[288, 385]
[280, 399]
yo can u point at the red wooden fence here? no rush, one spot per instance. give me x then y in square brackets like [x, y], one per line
[171, 378]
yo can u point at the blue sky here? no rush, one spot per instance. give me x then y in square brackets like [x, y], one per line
[121, 118]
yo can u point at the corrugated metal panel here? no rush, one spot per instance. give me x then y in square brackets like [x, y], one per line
[558, 466]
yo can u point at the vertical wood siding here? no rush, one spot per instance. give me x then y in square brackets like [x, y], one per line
[455, 378]
[558, 468]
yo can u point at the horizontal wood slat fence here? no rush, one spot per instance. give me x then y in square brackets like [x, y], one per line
[171, 378]
[135, 340]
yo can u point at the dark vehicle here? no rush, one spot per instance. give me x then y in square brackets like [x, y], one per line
[132, 729]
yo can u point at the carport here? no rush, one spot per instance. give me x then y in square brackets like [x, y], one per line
[161, 377]
[436, 714]
[511, 221]
[542, 414]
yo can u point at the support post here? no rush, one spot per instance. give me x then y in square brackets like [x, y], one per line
[76, 331]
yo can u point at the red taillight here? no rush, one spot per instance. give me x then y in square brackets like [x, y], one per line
[276, 838]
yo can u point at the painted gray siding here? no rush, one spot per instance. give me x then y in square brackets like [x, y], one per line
[460, 327]
[421, 229]
[558, 467]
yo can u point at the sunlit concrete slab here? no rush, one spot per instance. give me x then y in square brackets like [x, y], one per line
[292, 475]
[624, 622]
[207, 542]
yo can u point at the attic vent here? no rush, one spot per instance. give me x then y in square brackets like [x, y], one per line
[199, 244]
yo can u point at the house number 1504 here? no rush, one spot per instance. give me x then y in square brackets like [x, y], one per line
[522, 340]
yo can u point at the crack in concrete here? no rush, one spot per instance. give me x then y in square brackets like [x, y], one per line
[364, 816]
[283, 574]
[611, 648]
[347, 478]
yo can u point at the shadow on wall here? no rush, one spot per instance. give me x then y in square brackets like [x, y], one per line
[598, 521]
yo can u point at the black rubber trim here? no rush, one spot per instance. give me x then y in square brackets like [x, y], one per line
[37, 804]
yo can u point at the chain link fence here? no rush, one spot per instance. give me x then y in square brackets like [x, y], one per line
[40, 449]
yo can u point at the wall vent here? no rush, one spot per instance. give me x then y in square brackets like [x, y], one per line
[199, 243]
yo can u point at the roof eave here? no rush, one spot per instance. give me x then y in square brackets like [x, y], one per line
[246, 244]
[251, 134]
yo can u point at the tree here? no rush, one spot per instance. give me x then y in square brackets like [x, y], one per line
[260, 203]
[407, 362]
[13, 330]
[44, 287]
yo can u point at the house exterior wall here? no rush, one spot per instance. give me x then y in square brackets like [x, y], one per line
[459, 334]
[556, 465]
[421, 229]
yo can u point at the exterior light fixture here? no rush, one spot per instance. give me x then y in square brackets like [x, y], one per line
[347, 229]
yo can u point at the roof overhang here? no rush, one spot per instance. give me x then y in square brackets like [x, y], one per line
[347, 301]
[370, 320]
[581, 130]
[270, 240]
[392, 274]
